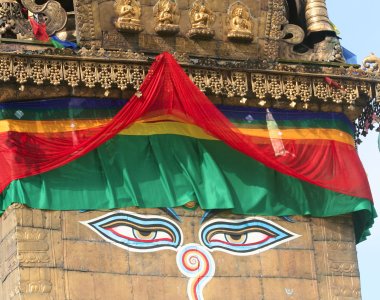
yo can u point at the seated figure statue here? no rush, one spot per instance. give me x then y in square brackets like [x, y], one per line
[201, 19]
[166, 17]
[128, 14]
[240, 23]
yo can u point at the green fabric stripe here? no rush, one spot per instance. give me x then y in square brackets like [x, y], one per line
[169, 171]
[56, 44]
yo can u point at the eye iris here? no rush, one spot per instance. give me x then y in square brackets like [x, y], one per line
[144, 234]
[236, 238]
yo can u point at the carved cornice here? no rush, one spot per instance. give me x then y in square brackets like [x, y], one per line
[250, 78]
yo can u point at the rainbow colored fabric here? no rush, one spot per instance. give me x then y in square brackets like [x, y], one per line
[169, 145]
[160, 161]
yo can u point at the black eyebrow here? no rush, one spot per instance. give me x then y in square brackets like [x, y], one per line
[208, 214]
[171, 212]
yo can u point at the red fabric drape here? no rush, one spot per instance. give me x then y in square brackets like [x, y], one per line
[168, 90]
[39, 30]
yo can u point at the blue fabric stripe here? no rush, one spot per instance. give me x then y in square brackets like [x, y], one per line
[65, 103]
[233, 113]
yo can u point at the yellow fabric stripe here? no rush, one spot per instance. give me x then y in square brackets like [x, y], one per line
[303, 134]
[168, 127]
[28, 126]
[49, 126]
[197, 132]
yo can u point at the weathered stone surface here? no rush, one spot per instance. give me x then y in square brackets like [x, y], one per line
[332, 229]
[288, 263]
[95, 257]
[228, 265]
[339, 287]
[336, 258]
[51, 255]
[287, 288]
[234, 288]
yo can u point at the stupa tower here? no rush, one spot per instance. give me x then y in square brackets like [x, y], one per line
[172, 149]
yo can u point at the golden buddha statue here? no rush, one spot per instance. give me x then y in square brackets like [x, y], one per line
[240, 23]
[201, 18]
[166, 15]
[128, 14]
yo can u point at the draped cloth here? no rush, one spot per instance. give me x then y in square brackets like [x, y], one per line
[169, 145]
[167, 90]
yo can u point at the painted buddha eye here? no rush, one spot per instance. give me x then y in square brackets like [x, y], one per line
[243, 237]
[137, 233]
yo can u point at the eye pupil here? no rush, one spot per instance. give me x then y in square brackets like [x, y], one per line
[235, 237]
[144, 232]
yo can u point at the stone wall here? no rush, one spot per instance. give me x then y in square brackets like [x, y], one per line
[51, 255]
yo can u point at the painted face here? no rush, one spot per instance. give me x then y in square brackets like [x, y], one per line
[194, 256]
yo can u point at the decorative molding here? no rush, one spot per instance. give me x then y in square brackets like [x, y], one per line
[273, 31]
[35, 287]
[85, 25]
[128, 69]
[30, 235]
[32, 246]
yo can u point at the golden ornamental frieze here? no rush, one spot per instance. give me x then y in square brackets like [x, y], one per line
[254, 80]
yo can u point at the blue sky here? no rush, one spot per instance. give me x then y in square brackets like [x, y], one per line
[357, 22]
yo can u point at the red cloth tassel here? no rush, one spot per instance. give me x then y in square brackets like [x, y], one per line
[39, 30]
[333, 83]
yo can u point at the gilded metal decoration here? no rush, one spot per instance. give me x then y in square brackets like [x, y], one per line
[128, 14]
[276, 19]
[201, 19]
[372, 63]
[9, 11]
[56, 16]
[293, 34]
[86, 31]
[316, 16]
[12, 22]
[165, 12]
[240, 23]
[308, 17]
